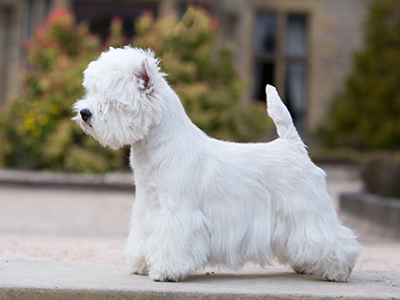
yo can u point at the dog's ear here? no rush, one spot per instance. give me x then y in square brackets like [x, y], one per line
[146, 78]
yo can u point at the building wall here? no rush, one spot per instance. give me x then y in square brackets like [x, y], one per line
[10, 47]
[337, 33]
[334, 32]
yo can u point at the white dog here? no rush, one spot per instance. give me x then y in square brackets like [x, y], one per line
[203, 201]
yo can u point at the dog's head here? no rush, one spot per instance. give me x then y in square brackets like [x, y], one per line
[122, 100]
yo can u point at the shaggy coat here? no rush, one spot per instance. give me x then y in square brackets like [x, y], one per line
[204, 201]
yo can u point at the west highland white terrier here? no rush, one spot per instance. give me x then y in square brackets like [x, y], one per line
[203, 201]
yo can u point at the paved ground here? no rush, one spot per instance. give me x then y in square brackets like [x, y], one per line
[56, 224]
[24, 280]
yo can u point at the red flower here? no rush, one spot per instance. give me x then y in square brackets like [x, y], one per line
[214, 20]
[28, 44]
[61, 14]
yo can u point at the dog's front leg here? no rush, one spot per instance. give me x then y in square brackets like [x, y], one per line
[139, 231]
[180, 243]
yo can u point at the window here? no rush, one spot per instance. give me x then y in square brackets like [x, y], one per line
[281, 59]
[265, 53]
[47, 7]
[296, 51]
[100, 13]
[30, 18]
[35, 13]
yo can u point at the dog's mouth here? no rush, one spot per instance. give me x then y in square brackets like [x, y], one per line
[87, 124]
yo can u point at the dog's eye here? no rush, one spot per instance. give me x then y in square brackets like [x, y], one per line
[102, 109]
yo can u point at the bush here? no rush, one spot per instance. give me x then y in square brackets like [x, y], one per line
[35, 127]
[365, 115]
[36, 130]
[203, 75]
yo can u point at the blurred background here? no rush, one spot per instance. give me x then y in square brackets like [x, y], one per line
[336, 64]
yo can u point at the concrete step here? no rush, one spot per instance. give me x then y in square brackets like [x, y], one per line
[36, 280]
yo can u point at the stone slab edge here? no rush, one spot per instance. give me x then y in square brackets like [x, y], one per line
[108, 181]
[382, 211]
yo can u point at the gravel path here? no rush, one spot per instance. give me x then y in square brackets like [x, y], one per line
[91, 225]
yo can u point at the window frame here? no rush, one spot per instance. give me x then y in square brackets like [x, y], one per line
[281, 59]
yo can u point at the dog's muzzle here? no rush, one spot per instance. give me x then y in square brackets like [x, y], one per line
[85, 114]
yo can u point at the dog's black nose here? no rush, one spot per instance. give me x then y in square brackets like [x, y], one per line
[86, 114]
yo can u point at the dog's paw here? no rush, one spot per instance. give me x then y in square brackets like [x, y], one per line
[339, 276]
[164, 277]
[138, 267]
[167, 279]
[142, 273]
[301, 270]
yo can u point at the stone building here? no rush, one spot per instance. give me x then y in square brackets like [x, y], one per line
[304, 47]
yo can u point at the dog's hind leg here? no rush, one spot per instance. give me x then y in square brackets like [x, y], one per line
[313, 241]
[308, 235]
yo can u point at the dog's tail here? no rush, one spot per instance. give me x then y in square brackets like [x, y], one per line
[280, 115]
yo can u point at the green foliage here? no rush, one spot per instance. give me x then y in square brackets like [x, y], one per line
[36, 130]
[365, 115]
[203, 75]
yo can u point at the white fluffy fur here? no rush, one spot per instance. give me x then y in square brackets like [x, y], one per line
[203, 201]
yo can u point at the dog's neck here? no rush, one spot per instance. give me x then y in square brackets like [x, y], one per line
[170, 137]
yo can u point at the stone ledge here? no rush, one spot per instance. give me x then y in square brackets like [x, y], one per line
[111, 181]
[71, 280]
[384, 212]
